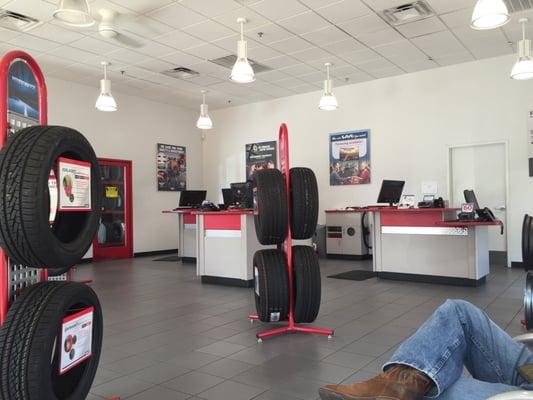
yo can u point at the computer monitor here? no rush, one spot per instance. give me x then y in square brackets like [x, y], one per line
[192, 198]
[470, 197]
[391, 192]
[227, 194]
[242, 194]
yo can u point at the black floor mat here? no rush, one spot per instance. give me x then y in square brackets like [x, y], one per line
[169, 258]
[357, 275]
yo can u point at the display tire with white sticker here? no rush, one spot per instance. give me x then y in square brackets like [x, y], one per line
[25, 231]
[271, 285]
[304, 203]
[29, 347]
[527, 242]
[271, 218]
[307, 284]
[528, 301]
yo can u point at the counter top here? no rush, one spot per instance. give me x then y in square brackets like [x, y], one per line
[386, 209]
[466, 224]
[182, 211]
[223, 212]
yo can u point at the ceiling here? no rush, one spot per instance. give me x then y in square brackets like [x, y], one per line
[294, 38]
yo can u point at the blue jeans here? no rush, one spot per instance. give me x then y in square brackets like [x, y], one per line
[458, 335]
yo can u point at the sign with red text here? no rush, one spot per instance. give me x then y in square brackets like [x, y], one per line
[74, 185]
[76, 339]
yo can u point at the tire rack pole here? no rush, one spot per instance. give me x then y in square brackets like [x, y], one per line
[5, 63]
[285, 168]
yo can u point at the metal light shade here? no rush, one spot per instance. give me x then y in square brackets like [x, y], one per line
[204, 121]
[328, 102]
[490, 14]
[106, 101]
[242, 71]
[74, 13]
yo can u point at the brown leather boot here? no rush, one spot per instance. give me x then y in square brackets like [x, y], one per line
[398, 382]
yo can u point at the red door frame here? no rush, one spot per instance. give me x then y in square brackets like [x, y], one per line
[125, 251]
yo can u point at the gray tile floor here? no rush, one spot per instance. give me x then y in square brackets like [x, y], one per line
[169, 337]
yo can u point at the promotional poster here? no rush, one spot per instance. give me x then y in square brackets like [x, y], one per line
[261, 156]
[76, 339]
[171, 168]
[349, 158]
[74, 185]
[23, 97]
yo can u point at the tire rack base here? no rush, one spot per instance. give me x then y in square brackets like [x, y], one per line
[291, 328]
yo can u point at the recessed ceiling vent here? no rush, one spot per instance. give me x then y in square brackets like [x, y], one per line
[229, 61]
[17, 22]
[515, 6]
[407, 13]
[181, 73]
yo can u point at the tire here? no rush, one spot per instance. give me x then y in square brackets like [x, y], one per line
[271, 219]
[307, 284]
[528, 301]
[304, 203]
[271, 285]
[25, 232]
[28, 339]
[527, 242]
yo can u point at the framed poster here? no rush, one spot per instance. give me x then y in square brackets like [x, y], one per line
[171, 168]
[261, 156]
[76, 339]
[349, 158]
[74, 185]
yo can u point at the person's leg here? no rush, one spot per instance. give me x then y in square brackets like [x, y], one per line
[473, 389]
[459, 334]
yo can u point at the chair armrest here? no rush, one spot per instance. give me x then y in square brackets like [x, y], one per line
[518, 395]
[525, 338]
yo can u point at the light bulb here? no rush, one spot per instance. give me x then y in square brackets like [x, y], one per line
[328, 102]
[489, 14]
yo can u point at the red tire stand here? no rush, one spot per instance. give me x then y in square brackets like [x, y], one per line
[284, 167]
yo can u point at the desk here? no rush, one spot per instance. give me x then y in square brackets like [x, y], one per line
[187, 234]
[226, 246]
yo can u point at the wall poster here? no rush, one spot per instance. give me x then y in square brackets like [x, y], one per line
[261, 156]
[349, 158]
[171, 168]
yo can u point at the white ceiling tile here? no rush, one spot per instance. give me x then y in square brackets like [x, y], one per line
[378, 38]
[370, 66]
[205, 80]
[513, 30]
[298, 70]
[289, 82]
[358, 77]
[230, 43]
[454, 59]
[209, 68]
[280, 62]
[314, 77]
[444, 6]
[324, 36]
[211, 8]
[380, 5]
[366, 24]
[305, 88]
[94, 45]
[269, 33]
[209, 31]
[278, 9]
[51, 32]
[304, 22]
[75, 55]
[291, 45]
[360, 56]
[272, 76]
[260, 53]
[179, 40]
[457, 19]
[34, 43]
[181, 59]
[37, 9]
[486, 51]
[176, 16]
[346, 70]
[253, 19]
[133, 71]
[145, 27]
[399, 51]
[387, 72]
[318, 3]
[141, 6]
[336, 62]
[472, 38]
[344, 46]
[422, 27]
[155, 49]
[343, 10]
[310, 54]
[208, 51]
[128, 56]
[7, 34]
[418, 65]
[439, 44]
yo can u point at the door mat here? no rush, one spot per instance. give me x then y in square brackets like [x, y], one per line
[357, 275]
[169, 258]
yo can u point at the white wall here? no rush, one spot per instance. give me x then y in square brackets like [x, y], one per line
[413, 119]
[131, 134]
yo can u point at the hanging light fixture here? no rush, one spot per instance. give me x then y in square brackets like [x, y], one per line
[74, 13]
[242, 71]
[204, 121]
[105, 101]
[489, 14]
[523, 69]
[328, 102]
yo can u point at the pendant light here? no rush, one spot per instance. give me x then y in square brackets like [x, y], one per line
[242, 71]
[328, 102]
[204, 121]
[74, 13]
[105, 101]
[523, 69]
[489, 14]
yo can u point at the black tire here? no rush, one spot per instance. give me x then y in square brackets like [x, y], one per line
[528, 301]
[271, 285]
[271, 218]
[527, 242]
[28, 338]
[304, 203]
[25, 232]
[307, 284]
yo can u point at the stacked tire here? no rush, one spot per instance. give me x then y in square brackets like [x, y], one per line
[528, 301]
[272, 225]
[527, 242]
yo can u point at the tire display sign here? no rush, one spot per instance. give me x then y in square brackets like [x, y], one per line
[52, 190]
[76, 339]
[74, 185]
[171, 168]
[259, 156]
[349, 158]
[111, 192]
[23, 96]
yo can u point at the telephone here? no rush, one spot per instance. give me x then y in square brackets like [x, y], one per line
[208, 206]
[486, 214]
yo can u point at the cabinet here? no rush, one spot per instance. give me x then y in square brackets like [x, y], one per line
[114, 238]
[344, 235]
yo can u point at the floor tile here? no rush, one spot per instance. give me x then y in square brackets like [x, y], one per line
[229, 390]
[193, 382]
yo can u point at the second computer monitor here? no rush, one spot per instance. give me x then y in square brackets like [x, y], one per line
[192, 198]
[242, 194]
[227, 195]
[391, 192]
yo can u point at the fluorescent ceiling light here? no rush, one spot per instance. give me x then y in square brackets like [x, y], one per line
[328, 102]
[242, 71]
[204, 121]
[489, 14]
[106, 101]
[523, 69]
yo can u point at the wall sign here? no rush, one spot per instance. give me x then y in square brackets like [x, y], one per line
[262, 155]
[171, 168]
[349, 158]
[76, 339]
[74, 185]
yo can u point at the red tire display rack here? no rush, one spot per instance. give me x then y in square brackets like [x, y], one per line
[284, 166]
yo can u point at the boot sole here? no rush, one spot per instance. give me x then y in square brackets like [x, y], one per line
[329, 395]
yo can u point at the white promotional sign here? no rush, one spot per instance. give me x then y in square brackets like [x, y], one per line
[467, 207]
[76, 339]
[74, 185]
[52, 190]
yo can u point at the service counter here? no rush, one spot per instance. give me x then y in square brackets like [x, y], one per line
[428, 245]
[187, 234]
